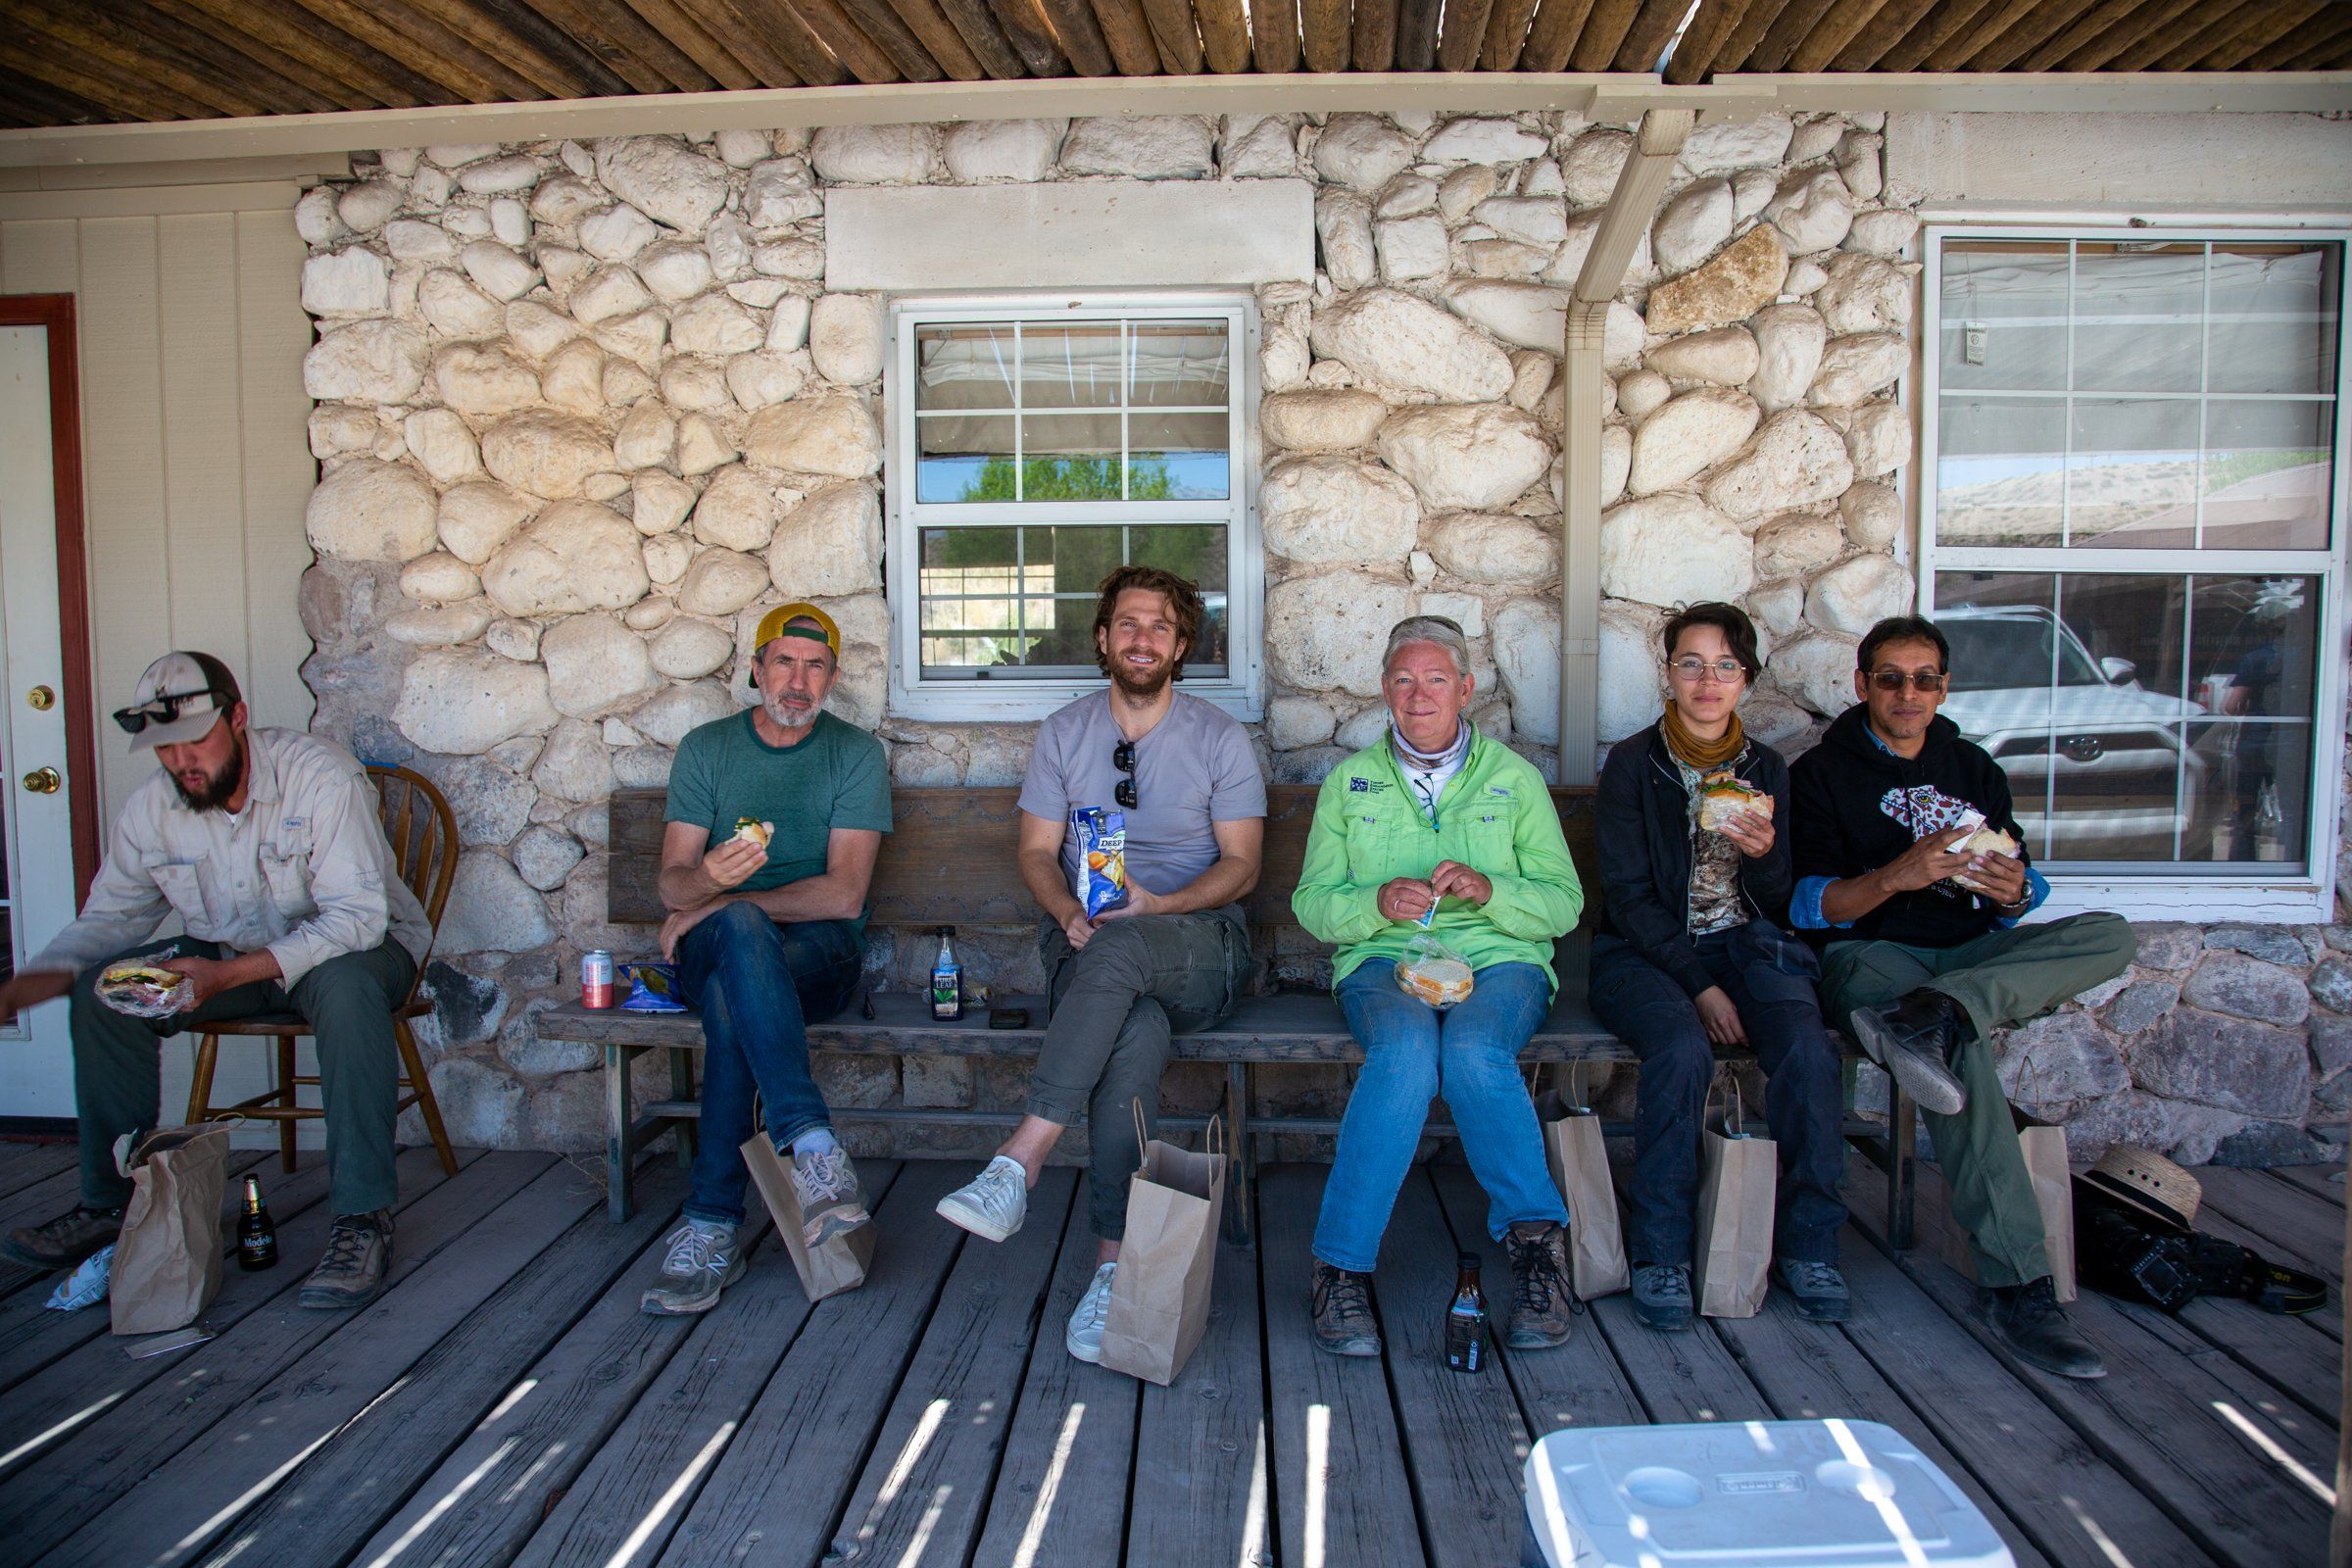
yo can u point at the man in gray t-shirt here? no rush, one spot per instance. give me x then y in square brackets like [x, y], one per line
[1174, 956]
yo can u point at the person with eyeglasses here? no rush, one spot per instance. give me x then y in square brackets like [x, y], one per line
[1923, 955]
[268, 846]
[1691, 955]
[1437, 829]
[1173, 956]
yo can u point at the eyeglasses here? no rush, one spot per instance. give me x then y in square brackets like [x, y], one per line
[1724, 670]
[1122, 758]
[162, 710]
[1891, 680]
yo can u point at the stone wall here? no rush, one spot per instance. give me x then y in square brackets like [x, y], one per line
[586, 411]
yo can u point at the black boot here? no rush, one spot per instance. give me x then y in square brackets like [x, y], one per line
[2028, 1319]
[1915, 1039]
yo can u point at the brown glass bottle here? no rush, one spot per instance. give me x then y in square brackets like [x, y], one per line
[1466, 1320]
[257, 1236]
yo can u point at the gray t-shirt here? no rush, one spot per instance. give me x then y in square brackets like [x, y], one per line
[1194, 769]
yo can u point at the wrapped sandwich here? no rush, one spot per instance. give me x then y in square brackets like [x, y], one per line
[754, 831]
[1985, 839]
[1433, 972]
[145, 990]
[1724, 796]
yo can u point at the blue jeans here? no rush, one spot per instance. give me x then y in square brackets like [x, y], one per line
[757, 984]
[1770, 978]
[1469, 1054]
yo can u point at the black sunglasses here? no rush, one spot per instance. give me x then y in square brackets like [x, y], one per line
[165, 709]
[1891, 680]
[1122, 758]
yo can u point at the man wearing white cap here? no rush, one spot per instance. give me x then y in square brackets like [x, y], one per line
[267, 844]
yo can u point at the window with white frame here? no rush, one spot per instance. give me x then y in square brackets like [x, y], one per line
[1035, 446]
[2134, 506]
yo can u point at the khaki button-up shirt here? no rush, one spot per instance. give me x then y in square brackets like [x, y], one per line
[305, 870]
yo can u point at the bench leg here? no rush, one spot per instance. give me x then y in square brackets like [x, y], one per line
[681, 1086]
[1242, 1180]
[617, 1120]
[1902, 1175]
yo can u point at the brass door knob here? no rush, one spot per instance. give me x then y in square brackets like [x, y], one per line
[41, 698]
[44, 781]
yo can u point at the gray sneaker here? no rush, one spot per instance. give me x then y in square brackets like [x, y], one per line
[1818, 1289]
[827, 1184]
[1662, 1296]
[359, 1250]
[702, 1259]
[65, 1240]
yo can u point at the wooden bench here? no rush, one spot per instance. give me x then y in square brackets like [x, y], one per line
[950, 863]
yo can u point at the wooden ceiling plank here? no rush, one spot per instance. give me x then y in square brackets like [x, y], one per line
[1711, 26]
[2220, 25]
[1604, 30]
[1416, 42]
[1748, 35]
[1886, 30]
[2094, 53]
[630, 47]
[1791, 27]
[775, 45]
[522, 20]
[1032, 36]
[1928, 33]
[1646, 38]
[1176, 35]
[425, 48]
[1968, 44]
[472, 21]
[1833, 32]
[2165, 40]
[2235, 55]
[196, 35]
[1506, 35]
[2026, 37]
[1373, 45]
[2261, 26]
[1323, 34]
[41, 104]
[119, 101]
[327, 50]
[2092, 23]
[133, 60]
[927, 21]
[2304, 44]
[1224, 35]
[1128, 34]
[1273, 35]
[1550, 37]
[1462, 33]
[691, 38]
[977, 26]
[881, 21]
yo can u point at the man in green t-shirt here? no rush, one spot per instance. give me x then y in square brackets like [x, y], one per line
[775, 816]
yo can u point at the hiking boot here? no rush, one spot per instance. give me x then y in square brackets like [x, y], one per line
[1542, 1299]
[358, 1248]
[1084, 1336]
[1915, 1039]
[65, 1240]
[2028, 1319]
[1342, 1307]
[1818, 1290]
[1662, 1296]
[827, 1184]
[701, 1260]
[991, 1205]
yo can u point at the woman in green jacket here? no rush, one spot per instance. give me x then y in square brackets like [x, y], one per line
[1436, 814]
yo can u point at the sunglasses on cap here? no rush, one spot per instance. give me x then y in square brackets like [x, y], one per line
[1892, 680]
[1122, 758]
[165, 709]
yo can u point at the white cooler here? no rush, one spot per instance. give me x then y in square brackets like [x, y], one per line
[1749, 1494]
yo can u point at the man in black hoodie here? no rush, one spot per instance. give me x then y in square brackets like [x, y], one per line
[1923, 953]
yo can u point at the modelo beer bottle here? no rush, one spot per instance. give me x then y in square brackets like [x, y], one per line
[1466, 1320]
[257, 1236]
[947, 979]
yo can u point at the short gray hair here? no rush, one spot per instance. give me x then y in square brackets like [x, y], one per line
[1446, 635]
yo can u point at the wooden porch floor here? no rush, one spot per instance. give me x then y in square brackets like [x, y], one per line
[507, 1401]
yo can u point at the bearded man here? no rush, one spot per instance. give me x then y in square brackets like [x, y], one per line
[1174, 955]
[267, 845]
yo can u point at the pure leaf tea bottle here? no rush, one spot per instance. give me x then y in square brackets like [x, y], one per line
[1466, 1320]
[947, 979]
[257, 1236]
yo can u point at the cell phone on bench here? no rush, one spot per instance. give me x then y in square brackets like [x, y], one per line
[1009, 1017]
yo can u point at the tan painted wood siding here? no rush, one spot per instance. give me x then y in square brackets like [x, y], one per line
[195, 435]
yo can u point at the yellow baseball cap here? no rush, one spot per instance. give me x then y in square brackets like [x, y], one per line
[778, 623]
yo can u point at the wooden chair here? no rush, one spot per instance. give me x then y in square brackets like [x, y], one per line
[425, 846]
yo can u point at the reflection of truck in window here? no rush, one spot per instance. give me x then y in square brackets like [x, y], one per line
[2096, 765]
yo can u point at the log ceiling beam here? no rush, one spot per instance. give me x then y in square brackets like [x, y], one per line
[1080, 34]
[107, 49]
[1747, 35]
[198, 36]
[425, 47]
[777, 51]
[941, 40]
[2096, 50]
[1273, 35]
[978, 26]
[1710, 29]
[327, 50]
[629, 46]
[38, 103]
[1032, 36]
[691, 38]
[1889, 27]
[1224, 35]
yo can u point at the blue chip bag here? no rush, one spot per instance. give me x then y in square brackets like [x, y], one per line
[653, 988]
[1101, 859]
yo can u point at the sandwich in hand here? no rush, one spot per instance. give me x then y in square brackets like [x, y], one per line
[144, 990]
[1985, 839]
[754, 831]
[1724, 796]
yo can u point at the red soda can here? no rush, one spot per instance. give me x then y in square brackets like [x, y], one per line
[596, 979]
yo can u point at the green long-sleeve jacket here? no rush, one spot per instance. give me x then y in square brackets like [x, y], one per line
[1495, 818]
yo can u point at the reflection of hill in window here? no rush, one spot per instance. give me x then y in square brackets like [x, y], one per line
[1069, 479]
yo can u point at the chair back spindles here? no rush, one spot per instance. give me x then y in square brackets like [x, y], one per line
[424, 843]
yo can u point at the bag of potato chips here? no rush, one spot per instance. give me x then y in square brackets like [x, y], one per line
[1101, 859]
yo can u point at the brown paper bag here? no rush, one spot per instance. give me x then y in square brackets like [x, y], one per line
[1733, 1249]
[167, 1266]
[840, 1264]
[1159, 1296]
[1579, 1158]
[2044, 1149]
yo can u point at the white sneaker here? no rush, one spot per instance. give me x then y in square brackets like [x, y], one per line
[991, 1205]
[1085, 1335]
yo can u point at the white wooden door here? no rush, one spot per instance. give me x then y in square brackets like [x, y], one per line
[36, 839]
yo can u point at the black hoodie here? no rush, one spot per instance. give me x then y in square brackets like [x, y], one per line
[1859, 806]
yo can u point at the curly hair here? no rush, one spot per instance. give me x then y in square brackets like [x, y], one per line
[1184, 609]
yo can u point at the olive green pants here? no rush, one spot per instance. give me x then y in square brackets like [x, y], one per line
[2002, 977]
